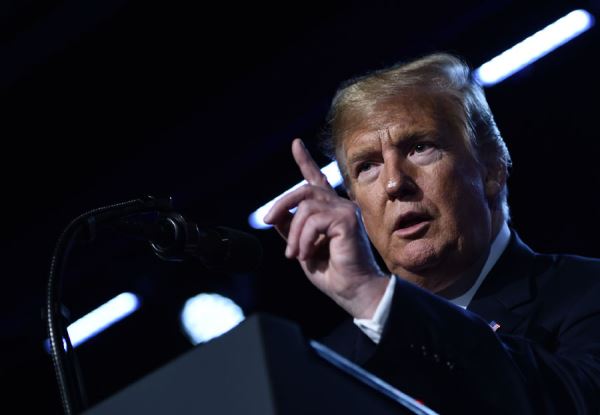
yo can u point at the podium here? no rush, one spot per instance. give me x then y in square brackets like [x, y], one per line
[265, 367]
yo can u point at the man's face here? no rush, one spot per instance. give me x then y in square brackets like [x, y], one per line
[420, 190]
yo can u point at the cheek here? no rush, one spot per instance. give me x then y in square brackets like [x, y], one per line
[372, 212]
[463, 200]
[457, 193]
[372, 221]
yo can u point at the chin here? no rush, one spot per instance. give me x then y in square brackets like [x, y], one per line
[416, 256]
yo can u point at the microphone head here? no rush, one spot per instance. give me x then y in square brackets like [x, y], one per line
[174, 238]
[236, 251]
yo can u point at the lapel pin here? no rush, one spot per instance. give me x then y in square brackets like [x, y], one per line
[495, 326]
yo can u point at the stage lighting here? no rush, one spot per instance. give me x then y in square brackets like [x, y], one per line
[534, 47]
[102, 317]
[334, 177]
[206, 316]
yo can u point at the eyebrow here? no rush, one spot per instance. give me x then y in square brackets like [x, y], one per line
[405, 140]
[361, 154]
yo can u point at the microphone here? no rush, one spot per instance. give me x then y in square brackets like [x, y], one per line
[174, 238]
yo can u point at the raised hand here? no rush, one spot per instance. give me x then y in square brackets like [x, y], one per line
[327, 237]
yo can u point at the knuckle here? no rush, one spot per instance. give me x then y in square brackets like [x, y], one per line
[306, 191]
[312, 221]
[349, 216]
[306, 187]
[305, 207]
[349, 211]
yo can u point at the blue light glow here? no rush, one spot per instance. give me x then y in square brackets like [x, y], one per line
[534, 47]
[334, 177]
[206, 316]
[102, 317]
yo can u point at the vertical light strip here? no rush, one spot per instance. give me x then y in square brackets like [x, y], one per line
[334, 177]
[534, 47]
[102, 317]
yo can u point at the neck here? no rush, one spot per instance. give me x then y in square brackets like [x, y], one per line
[451, 285]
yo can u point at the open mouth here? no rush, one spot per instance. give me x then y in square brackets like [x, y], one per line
[412, 223]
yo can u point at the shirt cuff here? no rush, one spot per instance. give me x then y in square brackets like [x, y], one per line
[373, 327]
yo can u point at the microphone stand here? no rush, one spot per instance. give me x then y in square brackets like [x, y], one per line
[63, 357]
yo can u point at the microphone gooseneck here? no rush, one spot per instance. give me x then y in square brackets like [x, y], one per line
[171, 236]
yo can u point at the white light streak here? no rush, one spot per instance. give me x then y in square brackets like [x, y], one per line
[534, 47]
[102, 317]
[256, 219]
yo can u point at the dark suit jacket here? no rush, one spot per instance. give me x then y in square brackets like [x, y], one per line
[544, 358]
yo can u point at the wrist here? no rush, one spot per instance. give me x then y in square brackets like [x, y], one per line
[367, 297]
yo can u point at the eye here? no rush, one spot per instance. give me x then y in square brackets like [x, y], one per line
[422, 147]
[365, 170]
[424, 152]
[362, 167]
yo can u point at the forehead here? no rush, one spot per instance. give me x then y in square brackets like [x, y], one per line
[402, 117]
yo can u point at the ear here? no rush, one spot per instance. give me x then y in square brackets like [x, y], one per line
[494, 181]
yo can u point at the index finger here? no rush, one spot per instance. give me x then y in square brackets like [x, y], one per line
[308, 167]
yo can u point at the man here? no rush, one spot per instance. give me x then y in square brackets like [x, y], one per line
[470, 319]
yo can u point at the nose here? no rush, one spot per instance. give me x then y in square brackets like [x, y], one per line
[397, 180]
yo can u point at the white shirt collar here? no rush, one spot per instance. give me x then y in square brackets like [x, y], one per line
[498, 246]
[373, 327]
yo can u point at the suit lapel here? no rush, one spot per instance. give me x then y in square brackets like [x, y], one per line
[508, 285]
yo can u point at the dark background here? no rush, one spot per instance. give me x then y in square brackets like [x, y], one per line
[107, 100]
